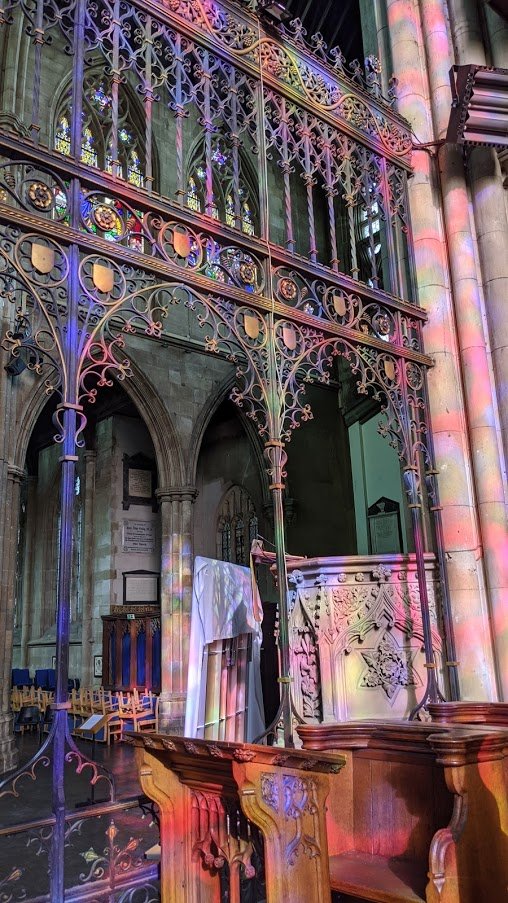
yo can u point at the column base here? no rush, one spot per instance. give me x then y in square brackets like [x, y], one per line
[8, 748]
[172, 713]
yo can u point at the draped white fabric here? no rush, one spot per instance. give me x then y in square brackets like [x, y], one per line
[225, 604]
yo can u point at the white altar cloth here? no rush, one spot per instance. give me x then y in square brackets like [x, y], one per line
[225, 604]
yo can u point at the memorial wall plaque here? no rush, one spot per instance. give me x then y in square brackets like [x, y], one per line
[141, 587]
[385, 535]
[140, 483]
[138, 536]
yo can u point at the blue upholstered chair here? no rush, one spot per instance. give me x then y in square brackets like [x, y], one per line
[21, 678]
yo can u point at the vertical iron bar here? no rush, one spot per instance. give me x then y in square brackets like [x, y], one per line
[177, 105]
[286, 170]
[396, 286]
[349, 198]
[36, 95]
[235, 141]
[115, 82]
[61, 706]
[330, 192]
[148, 184]
[68, 410]
[68, 459]
[413, 289]
[309, 183]
[276, 456]
[261, 140]
[276, 487]
[368, 210]
[77, 88]
[432, 693]
[208, 125]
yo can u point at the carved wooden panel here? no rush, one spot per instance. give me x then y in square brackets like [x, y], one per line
[217, 799]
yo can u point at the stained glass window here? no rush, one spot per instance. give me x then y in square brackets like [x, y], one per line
[239, 540]
[88, 152]
[237, 526]
[223, 205]
[230, 211]
[226, 541]
[63, 136]
[134, 171]
[247, 223]
[97, 136]
[193, 199]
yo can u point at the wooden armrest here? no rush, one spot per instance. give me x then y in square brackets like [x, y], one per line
[378, 878]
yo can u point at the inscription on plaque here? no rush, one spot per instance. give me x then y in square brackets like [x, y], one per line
[384, 527]
[384, 534]
[140, 483]
[141, 588]
[138, 536]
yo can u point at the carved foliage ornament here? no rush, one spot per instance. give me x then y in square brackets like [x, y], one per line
[388, 667]
[297, 798]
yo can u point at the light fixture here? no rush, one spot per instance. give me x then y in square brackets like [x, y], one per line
[480, 106]
[15, 366]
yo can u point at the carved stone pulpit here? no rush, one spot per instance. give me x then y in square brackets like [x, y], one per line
[233, 813]
[356, 634]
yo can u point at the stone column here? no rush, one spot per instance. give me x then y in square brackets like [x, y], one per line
[87, 575]
[8, 545]
[176, 595]
[490, 219]
[28, 568]
[462, 538]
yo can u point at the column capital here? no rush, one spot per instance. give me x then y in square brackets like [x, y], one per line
[15, 473]
[176, 494]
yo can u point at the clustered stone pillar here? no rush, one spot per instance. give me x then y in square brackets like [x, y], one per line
[481, 403]
[8, 539]
[87, 638]
[448, 390]
[176, 505]
[28, 568]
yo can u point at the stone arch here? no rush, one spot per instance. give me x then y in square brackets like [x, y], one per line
[168, 452]
[202, 421]
[36, 399]
[168, 449]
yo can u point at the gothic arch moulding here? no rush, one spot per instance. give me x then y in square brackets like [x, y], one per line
[168, 450]
[201, 424]
[162, 432]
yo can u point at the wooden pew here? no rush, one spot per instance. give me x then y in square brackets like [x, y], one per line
[419, 813]
[213, 796]
[495, 713]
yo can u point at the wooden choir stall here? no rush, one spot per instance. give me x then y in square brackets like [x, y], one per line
[131, 648]
[389, 812]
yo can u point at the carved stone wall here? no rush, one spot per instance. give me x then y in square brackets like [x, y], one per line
[356, 636]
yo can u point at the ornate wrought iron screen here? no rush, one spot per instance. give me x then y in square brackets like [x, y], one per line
[177, 169]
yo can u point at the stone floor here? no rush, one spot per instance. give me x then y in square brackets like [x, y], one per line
[97, 841]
